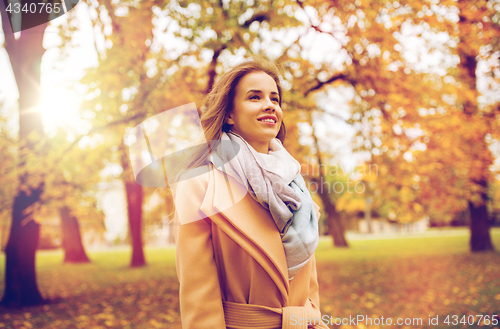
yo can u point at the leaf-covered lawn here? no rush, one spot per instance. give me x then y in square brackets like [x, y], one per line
[103, 294]
[396, 278]
[410, 278]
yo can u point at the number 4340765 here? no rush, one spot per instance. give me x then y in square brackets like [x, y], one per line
[34, 8]
[471, 319]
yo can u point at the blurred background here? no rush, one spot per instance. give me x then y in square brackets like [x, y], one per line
[392, 108]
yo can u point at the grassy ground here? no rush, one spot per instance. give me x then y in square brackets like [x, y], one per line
[390, 278]
[410, 278]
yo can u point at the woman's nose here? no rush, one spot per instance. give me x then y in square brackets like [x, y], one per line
[270, 106]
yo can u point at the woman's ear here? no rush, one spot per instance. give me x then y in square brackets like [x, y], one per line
[229, 119]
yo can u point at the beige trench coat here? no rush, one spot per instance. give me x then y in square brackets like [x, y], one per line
[228, 249]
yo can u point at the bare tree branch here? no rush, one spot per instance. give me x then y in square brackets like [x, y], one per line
[257, 17]
[319, 84]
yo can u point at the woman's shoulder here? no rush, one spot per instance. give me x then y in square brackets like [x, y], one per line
[194, 178]
[189, 193]
[200, 173]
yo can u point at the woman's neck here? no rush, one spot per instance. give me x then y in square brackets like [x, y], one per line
[261, 147]
[258, 145]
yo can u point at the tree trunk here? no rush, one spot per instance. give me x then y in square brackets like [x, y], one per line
[134, 207]
[480, 239]
[25, 55]
[74, 251]
[336, 229]
[335, 225]
[134, 196]
[20, 275]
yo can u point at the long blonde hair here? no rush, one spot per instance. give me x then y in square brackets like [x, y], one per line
[219, 102]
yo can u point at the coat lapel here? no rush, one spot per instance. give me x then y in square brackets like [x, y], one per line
[249, 224]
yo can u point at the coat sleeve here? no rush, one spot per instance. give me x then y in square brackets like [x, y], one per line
[317, 208]
[199, 292]
[313, 284]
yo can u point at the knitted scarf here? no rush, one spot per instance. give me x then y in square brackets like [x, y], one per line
[289, 202]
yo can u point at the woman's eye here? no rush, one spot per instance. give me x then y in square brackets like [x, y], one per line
[274, 99]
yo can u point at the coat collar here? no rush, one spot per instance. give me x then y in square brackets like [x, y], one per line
[243, 219]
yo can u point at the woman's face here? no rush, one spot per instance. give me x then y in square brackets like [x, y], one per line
[256, 114]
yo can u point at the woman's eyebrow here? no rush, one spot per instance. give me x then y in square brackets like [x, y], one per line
[260, 91]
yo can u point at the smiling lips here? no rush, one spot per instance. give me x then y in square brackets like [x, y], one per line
[268, 120]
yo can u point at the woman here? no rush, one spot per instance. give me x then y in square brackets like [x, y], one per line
[246, 226]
